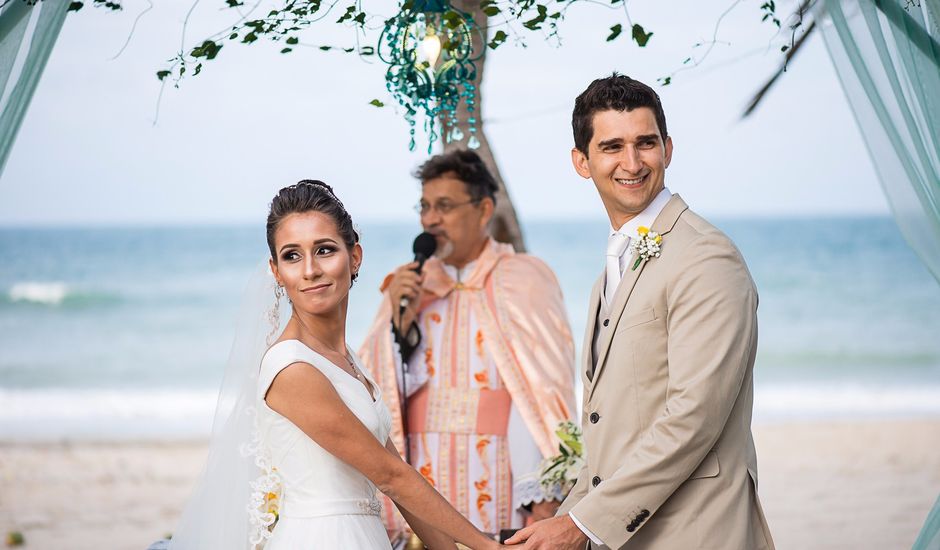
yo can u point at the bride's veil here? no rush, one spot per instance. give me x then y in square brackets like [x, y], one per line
[216, 515]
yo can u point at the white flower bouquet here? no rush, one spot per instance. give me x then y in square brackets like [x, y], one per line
[560, 472]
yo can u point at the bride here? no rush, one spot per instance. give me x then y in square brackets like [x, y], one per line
[300, 439]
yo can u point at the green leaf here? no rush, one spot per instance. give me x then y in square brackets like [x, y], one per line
[452, 19]
[367, 50]
[536, 22]
[75, 6]
[498, 39]
[784, 48]
[326, 48]
[198, 69]
[234, 3]
[287, 50]
[292, 40]
[348, 15]
[640, 35]
[208, 49]
[615, 32]
[162, 74]
[376, 103]
[490, 11]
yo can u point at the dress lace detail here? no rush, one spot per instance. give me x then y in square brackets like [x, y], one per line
[371, 506]
[266, 491]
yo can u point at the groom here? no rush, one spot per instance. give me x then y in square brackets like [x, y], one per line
[667, 359]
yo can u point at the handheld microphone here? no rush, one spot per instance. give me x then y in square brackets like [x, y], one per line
[424, 247]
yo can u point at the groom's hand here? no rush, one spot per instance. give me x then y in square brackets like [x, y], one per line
[558, 533]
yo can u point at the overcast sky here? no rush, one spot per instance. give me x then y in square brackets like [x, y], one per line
[89, 153]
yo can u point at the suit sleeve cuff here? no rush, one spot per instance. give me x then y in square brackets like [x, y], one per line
[585, 530]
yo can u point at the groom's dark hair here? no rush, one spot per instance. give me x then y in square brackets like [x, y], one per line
[616, 92]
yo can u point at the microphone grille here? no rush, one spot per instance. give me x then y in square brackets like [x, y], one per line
[425, 245]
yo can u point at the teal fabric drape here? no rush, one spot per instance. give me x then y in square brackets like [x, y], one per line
[887, 56]
[929, 538]
[27, 34]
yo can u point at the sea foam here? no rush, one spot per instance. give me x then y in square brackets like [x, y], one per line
[51, 293]
[53, 414]
[821, 401]
[141, 414]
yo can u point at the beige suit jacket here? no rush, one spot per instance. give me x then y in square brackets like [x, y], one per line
[670, 460]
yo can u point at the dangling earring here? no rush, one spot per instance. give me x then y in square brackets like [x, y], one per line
[274, 314]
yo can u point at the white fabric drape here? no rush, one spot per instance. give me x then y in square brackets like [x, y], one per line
[887, 56]
[27, 34]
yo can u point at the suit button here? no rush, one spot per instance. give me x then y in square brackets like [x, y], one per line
[644, 513]
[606, 322]
[595, 417]
[631, 528]
[596, 481]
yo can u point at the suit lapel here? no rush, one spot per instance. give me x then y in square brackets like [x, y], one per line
[663, 224]
[587, 351]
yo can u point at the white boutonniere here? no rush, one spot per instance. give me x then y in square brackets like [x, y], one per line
[646, 245]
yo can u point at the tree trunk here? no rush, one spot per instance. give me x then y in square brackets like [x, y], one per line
[505, 225]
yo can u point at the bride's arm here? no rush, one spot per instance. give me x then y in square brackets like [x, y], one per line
[303, 395]
[429, 535]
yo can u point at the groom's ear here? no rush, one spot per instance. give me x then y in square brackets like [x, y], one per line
[580, 162]
[668, 151]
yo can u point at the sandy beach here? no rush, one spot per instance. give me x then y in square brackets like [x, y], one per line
[824, 485]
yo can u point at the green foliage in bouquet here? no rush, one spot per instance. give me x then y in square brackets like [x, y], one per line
[560, 472]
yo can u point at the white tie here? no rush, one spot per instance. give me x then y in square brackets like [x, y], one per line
[616, 245]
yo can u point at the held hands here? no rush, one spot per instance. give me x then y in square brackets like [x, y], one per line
[405, 283]
[559, 533]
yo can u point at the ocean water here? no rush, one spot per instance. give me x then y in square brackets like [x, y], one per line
[123, 332]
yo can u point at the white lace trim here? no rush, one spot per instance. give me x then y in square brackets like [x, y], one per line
[266, 491]
[527, 490]
[370, 506]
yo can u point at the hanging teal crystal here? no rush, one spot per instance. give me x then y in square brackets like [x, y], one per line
[428, 47]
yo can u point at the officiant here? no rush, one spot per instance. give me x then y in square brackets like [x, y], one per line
[482, 337]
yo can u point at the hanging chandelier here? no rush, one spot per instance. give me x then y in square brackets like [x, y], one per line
[428, 47]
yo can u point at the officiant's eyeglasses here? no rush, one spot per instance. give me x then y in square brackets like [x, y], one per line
[442, 207]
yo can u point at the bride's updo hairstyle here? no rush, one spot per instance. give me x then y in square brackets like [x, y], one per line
[310, 196]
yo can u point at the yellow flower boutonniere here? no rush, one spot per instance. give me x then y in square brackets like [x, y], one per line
[646, 245]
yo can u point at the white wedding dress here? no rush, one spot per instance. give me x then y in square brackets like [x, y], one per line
[324, 502]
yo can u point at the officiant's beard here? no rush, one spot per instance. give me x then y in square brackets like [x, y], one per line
[444, 251]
